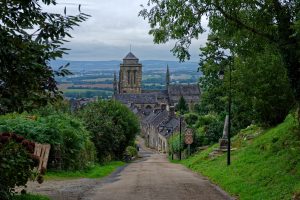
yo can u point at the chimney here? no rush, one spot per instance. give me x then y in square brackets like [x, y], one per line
[171, 111]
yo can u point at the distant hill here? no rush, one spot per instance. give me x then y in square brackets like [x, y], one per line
[113, 65]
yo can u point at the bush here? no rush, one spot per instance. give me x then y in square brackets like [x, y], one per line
[17, 163]
[113, 127]
[191, 119]
[208, 129]
[175, 144]
[131, 151]
[68, 138]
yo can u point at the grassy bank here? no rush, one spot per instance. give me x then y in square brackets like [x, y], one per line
[266, 167]
[97, 171]
[30, 197]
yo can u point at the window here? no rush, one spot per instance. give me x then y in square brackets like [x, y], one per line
[128, 77]
[134, 77]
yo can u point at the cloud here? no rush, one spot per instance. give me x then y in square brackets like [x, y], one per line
[114, 26]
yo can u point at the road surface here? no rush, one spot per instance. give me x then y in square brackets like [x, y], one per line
[154, 178]
[151, 177]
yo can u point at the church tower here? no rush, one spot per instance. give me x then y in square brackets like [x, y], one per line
[115, 84]
[168, 78]
[130, 77]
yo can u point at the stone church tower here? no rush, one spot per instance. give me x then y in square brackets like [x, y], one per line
[130, 77]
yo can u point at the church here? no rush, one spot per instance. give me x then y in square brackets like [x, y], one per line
[128, 89]
[155, 108]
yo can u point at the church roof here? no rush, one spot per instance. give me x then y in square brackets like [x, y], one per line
[130, 56]
[144, 98]
[184, 90]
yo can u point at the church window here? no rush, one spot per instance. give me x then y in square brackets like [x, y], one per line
[134, 77]
[128, 77]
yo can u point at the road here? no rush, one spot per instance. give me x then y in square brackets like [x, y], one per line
[154, 178]
[151, 177]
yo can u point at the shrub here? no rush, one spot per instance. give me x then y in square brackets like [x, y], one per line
[131, 151]
[191, 118]
[175, 144]
[68, 138]
[17, 163]
[113, 127]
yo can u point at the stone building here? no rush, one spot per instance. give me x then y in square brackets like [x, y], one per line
[128, 89]
[130, 78]
[154, 108]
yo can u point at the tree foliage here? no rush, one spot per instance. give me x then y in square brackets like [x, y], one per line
[17, 163]
[182, 106]
[259, 40]
[71, 146]
[30, 38]
[113, 127]
[242, 26]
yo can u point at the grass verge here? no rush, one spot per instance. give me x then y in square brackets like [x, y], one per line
[266, 167]
[98, 171]
[30, 197]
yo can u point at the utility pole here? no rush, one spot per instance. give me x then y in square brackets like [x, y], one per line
[180, 137]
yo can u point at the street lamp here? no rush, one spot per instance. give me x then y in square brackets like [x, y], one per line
[221, 76]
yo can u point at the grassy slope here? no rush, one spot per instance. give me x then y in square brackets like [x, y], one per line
[98, 171]
[267, 167]
[30, 197]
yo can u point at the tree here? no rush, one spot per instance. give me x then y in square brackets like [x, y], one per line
[274, 22]
[182, 106]
[257, 94]
[29, 39]
[113, 127]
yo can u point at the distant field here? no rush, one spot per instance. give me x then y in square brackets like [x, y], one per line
[147, 77]
[97, 79]
[152, 84]
[98, 85]
[64, 86]
[84, 90]
[181, 77]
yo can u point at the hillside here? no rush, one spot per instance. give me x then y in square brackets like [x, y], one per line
[264, 167]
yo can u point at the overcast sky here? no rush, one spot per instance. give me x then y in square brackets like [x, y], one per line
[114, 25]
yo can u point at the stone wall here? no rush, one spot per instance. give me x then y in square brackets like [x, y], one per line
[130, 78]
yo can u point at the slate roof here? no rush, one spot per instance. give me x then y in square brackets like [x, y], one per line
[184, 90]
[149, 118]
[159, 118]
[130, 56]
[191, 93]
[144, 98]
[169, 127]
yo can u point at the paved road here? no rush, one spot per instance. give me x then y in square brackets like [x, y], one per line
[154, 178]
[151, 177]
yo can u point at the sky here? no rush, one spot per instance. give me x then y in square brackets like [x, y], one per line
[113, 27]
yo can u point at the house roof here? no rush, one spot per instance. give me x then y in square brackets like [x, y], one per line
[159, 118]
[169, 127]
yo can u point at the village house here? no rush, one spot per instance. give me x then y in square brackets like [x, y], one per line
[154, 108]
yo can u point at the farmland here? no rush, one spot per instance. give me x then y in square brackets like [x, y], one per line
[91, 79]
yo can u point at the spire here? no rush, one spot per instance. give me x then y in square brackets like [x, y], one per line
[115, 84]
[168, 78]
